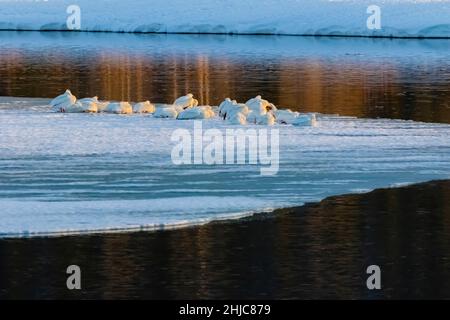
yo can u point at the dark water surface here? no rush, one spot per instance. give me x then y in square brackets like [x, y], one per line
[407, 79]
[317, 251]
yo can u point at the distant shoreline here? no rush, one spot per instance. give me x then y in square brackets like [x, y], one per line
[233, 34]
[363, 18]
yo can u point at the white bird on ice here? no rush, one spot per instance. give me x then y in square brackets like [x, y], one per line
[119, 108]
[186, 101]
[63, 101]
[144, 107]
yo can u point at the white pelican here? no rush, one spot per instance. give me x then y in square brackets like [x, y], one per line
[235, 108]
[167, 111]
[82, 107]
[260, 105]
[186, 101]
[93, 99]
[285, 116]
[236, 118]
[229, 107]
[306, 120]
[264, 119]
[144, 107]
[102, 105]
[63, 101]
[201, 112]
[119, 107]
[224, 106]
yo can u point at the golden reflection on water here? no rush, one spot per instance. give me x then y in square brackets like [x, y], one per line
[348, 86]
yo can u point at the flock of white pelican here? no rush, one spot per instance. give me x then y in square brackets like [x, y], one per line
[254, 111]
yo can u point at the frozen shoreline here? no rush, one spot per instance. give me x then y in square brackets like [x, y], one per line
[399, 18]
[225, 218]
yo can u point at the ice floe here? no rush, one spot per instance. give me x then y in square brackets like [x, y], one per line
[74, 173]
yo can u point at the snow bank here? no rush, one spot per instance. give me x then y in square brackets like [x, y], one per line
[399, 18]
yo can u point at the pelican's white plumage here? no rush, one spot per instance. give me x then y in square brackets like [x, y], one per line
[93, 99]
[81, 107]
[228, 108]
[259, 105]
[285, 116]
[167, 111]
[252, 116]
[254, 111]
[272, 107]
[237, 118]
[306, 120]
[63, 101]
[201, 112]
[241, 107]
[186, 101]
[215, 109]
[102, 105]
[235, 108]
[225, 105]
[144, 107]
[88, 106]
[119, 108]
[73, 108]
[264, 119]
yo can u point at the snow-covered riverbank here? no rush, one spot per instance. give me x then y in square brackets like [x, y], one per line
[399, 18]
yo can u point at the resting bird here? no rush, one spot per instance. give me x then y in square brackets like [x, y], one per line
[119, 108]
[260, 105]
[186, 101]
[228, 107]
[224, 106]
[264, 119]
[202, 112]
[306, 120]
[167, 111]
[144, 107]
[285, 116]
[63, 101]
[236, 118]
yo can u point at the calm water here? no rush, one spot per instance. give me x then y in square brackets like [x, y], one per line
[318, 251]
[407, 79]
